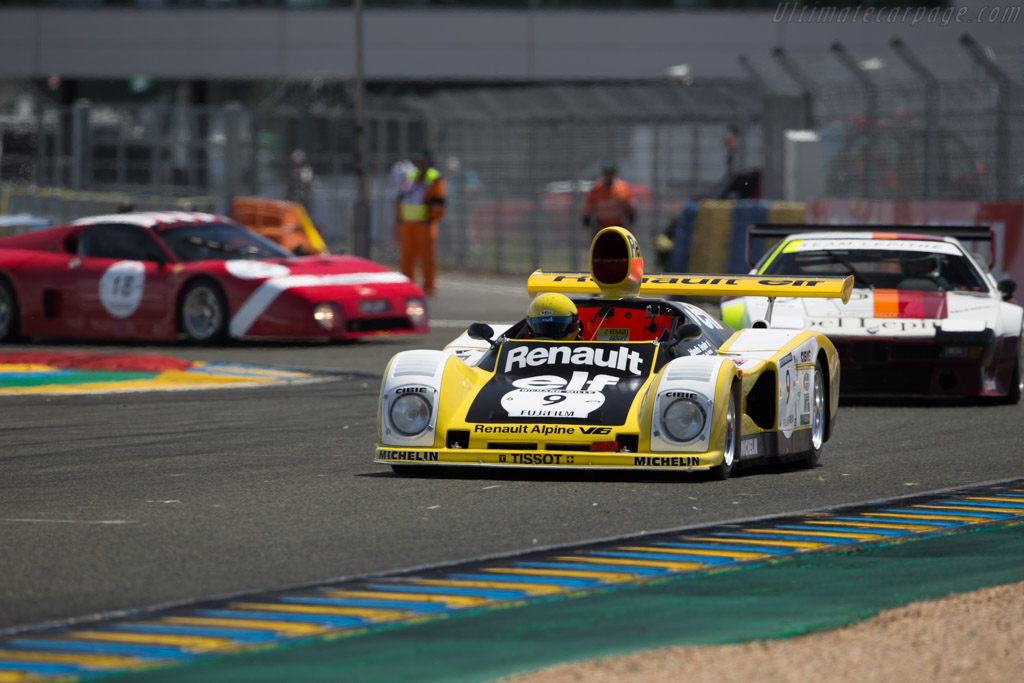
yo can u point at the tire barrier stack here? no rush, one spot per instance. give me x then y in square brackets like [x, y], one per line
[710, 235]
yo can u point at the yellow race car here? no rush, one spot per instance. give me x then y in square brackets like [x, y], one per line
[649, 383]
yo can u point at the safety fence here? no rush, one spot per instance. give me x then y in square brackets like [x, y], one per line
[519, 160]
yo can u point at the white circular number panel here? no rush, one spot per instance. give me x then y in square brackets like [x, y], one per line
[121, 288]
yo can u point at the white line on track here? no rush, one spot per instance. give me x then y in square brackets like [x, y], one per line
[68, 521]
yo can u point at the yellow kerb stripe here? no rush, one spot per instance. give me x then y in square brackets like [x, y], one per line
[450, 600]
[364, 612]
[996, 500]
[19, 677]
[972, 508]
[833, 534]
[531, 588]
[661, 564]
[193, 643]
[877, 525]
[805, 545]
[281, 628]
[610, 577]
[90, 661]
[940, 518]
[740, 554]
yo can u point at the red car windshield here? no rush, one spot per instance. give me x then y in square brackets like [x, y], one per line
[219, 242]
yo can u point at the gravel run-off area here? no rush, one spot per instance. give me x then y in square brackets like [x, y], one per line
[973, 637]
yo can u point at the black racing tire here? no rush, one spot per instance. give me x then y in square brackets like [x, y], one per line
[9, 312]
[733, 435]
[1014, 392]
[819, 421]
[203, 312]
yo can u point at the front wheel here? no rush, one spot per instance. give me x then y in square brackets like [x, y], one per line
[8, 312]
[819, 416]
[203, 312]
[730, 448]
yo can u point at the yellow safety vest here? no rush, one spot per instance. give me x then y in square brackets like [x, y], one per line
[414, 192]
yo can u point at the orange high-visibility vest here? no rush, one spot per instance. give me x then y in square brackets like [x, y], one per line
[421, 199]
[609, 204]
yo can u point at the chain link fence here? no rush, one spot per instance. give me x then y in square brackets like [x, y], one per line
[519, 160]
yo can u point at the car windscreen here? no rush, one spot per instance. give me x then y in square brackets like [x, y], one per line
[883, 268]
[219, 242]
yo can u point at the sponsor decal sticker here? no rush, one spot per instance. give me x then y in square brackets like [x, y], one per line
[667, 461]
[615, 334]
[121, 288]
[408, 456]
[545, 382]
[536, 459]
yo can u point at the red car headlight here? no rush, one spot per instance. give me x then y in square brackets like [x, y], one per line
[327, 316]
[416, 309]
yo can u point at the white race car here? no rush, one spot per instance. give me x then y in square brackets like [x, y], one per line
[926, 317]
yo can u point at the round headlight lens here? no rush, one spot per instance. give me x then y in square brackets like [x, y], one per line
[683, 420]
[416, 309]
[410, 414]
[325, 317]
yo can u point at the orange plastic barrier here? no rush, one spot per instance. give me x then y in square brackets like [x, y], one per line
[286, 223]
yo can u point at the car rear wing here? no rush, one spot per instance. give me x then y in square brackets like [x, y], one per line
[667, 284]
[964, 233]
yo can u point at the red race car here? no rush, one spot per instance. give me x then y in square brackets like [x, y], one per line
[160, 276]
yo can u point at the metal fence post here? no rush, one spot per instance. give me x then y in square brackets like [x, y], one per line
[39, 167]
[931, 115]
[657, 217]
[573, 173]
[536, 231]
[870, 114]
[499, 203]
[1004, 86]
[81, 151]
[232, 152]
[59, 176]
[807, 86]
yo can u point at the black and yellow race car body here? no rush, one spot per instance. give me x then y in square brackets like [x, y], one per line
[653, 384]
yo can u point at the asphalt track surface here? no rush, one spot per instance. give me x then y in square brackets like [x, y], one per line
[118, 501]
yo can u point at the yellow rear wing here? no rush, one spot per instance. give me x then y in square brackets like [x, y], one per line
[669, 284]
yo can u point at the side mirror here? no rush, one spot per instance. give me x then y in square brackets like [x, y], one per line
[1007, 287]
[686, 333]
[483, 332]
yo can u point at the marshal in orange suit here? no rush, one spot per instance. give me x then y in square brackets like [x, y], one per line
[419, 209]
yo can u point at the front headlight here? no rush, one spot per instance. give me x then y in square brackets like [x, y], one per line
[416, 309]
[326, 316]
[683, 420]
[410, 414]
